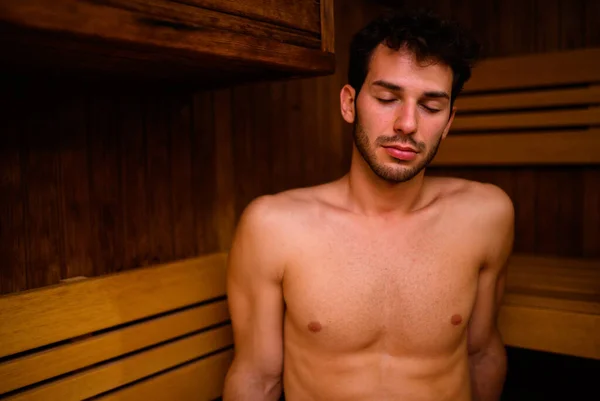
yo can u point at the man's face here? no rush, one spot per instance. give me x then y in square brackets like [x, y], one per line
[402, 114]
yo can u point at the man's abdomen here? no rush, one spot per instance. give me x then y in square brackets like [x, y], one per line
[373, 375]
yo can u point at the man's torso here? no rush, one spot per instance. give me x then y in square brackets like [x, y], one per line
[378, 308]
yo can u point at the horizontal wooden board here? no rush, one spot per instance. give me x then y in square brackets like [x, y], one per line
[301, 14]
[67, 358]
[548, 330]
[101, 38]
[535, 70]
[52, 314]
[115, 374]
[557, 274]
[202, 380]
[568, 147]
[572, 302]
[588, 95]
[520, 120]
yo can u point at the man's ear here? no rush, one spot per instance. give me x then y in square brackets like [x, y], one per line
[449, 123]
[348, 103]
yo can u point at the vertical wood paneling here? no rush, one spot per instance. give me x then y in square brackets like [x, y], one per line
[159, 175]
[105, 185]
[526, 216]
[13, 274]
[591, 212]
[41, 173]
[75, 200]
[181, 176]
[203, 174]
[223, 215]
[136, 228]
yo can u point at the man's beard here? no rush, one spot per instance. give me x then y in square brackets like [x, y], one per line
[389, 173]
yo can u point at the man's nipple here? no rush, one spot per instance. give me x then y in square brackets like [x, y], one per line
[314, 327]
[456, 319]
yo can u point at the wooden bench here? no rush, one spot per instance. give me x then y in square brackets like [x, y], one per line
[159, 333]
[163, 332]
[552, 305]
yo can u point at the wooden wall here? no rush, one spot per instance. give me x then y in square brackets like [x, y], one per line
[98, 179]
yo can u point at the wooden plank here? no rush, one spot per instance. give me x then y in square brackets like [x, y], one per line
[13, 273]
[223, 224]
[74, 174]
[547, 204]
[554, 97]
[525, 209]
[541, 69]
[549, 330]
[580, 303]
[570, 147]
[184, 229]
[134, 38]
[559, 275]
[112, 375]
[301, 14]
[158, 187]
[70, 310]
[204, 139]
[327, 26]
[41, 176]
[67, 358]
[105, 190]
[538, 119]
[200, 380]
[134, 197]
[591, 211]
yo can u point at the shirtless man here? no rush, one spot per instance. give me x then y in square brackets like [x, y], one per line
[384, 284]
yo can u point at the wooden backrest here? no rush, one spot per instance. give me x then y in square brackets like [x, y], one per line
[533, 109]
[162, 331]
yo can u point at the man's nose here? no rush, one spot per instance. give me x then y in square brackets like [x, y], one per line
[406, 119]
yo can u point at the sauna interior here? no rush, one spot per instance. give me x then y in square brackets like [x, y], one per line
[134, 132]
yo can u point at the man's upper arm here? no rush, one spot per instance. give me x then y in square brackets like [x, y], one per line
[256, 305]
[482, 326]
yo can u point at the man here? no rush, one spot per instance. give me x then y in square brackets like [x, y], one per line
[384, 284]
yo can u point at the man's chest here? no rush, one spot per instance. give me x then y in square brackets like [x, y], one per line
[360, 292]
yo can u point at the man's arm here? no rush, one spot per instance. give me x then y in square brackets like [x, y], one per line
[254, 275]
[487, 355]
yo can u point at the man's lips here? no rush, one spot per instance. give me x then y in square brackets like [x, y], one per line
[401, 152]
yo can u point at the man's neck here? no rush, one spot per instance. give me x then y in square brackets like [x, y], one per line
[371, 195]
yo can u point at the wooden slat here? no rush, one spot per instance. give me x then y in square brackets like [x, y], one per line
[555, 97]
[571, 147]
[327, 26]
[551, 118]
[541, 69]
[112, 375]
[67, 358]
[199, 381]
[65, 311]
[560, 275]
[579, 303]
[549, 330]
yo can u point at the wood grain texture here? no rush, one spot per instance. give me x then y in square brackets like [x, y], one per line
[301, 14]
[106, 377]
[70, 310]
[204, 378]
[559, 147]
[327, 26]
[89, 351]
[156, 39]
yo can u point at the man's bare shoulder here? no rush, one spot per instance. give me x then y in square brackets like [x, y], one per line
[279, 213]
[475, 198]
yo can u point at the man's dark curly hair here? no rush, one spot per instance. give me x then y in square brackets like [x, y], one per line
[429, 37]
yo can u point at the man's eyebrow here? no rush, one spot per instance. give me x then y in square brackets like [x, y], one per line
[437, 94]
[398, 88]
